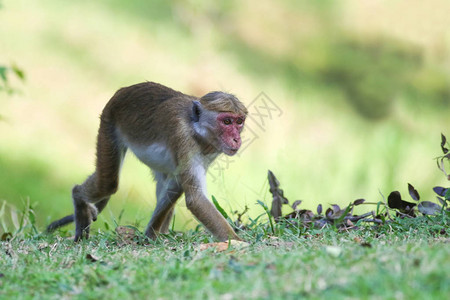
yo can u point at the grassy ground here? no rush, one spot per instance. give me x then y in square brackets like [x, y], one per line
[406, 259]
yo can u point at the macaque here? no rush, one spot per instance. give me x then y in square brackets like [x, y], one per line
[177, 136]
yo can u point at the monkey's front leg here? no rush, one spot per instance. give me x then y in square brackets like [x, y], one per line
[209, 216]
[85, 213]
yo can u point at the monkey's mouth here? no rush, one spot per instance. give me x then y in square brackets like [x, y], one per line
[231, 151]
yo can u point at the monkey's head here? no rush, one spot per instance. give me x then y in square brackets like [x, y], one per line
[219, 119]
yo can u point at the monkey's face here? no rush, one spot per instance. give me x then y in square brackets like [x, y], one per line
[230, 126]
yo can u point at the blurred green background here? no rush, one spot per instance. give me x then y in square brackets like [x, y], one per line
[362, 90]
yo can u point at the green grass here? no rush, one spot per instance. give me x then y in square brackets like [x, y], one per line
[405, 259]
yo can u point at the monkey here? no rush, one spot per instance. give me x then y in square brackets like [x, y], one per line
[177, 136]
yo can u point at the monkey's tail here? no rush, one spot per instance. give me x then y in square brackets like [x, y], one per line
[61, 222]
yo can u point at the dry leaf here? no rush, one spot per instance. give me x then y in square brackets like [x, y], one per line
[91, 257]
[223, 246]
[127, 235]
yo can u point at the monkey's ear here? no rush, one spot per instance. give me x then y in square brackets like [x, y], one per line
[196, 111]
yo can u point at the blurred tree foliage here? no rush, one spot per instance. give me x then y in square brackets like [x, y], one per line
[5, 72]
[371, 71]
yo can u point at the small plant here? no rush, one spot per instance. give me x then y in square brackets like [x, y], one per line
[23, 223]
[343, 219]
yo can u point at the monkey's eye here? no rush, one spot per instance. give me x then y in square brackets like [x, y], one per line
[227, 121]
[239, 121]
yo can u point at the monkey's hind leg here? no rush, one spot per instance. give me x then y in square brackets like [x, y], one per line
[91, 197]
[71, 218]
[168, 190]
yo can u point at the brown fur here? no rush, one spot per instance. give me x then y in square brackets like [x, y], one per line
[146, 114]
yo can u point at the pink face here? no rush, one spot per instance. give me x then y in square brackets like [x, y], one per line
[230, 126]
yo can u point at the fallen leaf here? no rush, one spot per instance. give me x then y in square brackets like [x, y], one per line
[223, 246]
[349, 223]
[126, 234]
[91, 258]
[238, 244]
[42, 245]
[6, 236]
[220, 247]
[333, 250]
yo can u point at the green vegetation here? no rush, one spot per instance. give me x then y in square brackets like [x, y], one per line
[335, 254]
[407, 258]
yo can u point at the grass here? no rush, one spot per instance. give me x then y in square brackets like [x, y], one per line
[408, 258]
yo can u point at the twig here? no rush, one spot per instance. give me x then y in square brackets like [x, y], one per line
[373, 221]
[357, 218]
[385, 206]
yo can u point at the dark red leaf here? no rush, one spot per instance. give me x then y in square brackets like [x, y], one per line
[358, 201]
[429, 208]
[292, 215]
[413, 192]
[443, 141]
[395, 201]
[296, 203]
[337, 215]
[306, 214]
[320, 223]
[335, 208]
[440, 190]
[442, 201]
[319, 209]
[278, 197]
